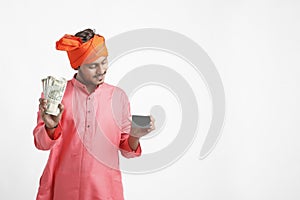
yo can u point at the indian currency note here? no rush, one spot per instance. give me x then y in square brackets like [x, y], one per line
[54, 90]
[44, 84]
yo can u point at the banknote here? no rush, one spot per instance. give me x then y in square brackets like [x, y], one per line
[53, 89]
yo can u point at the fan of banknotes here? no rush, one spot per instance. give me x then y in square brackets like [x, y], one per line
[53, 89]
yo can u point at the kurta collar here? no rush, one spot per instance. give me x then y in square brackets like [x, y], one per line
[82, 87]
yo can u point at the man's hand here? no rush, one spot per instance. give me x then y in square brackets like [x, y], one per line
[137, 133]
[140, 132]
[50, 121]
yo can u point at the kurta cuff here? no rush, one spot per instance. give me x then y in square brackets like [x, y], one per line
[126, 150]
[41, 138]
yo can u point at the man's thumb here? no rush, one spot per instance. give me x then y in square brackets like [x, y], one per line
[61, 108]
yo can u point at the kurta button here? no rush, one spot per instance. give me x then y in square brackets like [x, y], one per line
[89, 111]
[88, 126]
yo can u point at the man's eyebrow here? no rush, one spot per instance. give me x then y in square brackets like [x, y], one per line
[95, 63]
[89, 64]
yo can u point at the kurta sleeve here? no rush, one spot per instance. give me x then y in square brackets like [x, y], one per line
[124, 146]
[42, 140]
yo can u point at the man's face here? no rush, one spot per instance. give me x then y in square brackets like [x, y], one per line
[93, 74]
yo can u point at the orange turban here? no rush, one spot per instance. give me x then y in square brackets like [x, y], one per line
[79, 52]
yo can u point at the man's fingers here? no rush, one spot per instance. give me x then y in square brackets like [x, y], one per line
[61, 110]
[43, 103]
[61, 107]
[152, 123]
[152, 118]
[42, 100]
[152, 126]
[42, 107]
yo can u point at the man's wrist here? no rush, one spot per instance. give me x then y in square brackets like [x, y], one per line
[134, 137]
[133, 142]
[51, 127]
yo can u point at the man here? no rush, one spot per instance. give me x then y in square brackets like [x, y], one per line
[92, 127]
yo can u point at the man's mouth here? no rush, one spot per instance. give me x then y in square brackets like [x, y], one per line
[99, 78]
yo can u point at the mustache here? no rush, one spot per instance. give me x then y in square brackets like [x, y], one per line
[99, 75]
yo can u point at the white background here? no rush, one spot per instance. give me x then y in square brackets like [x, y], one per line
[254, 45]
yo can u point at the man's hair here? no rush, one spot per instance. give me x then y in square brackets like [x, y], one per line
[86, 34]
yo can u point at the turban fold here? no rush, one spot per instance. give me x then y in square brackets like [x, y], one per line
[80, 53]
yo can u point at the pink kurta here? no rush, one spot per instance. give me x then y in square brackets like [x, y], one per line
[84, 160]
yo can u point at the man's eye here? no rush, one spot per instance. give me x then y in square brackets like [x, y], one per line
[92, 66]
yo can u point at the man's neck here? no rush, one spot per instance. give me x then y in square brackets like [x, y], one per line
[90, 88]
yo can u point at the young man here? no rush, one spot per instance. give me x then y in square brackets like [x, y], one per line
[92, 127]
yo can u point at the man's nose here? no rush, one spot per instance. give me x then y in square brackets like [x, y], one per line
[100, 71]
